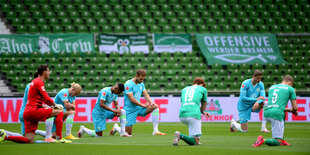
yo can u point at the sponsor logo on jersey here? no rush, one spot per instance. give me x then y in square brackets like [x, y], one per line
[242, 86]
[104, 93]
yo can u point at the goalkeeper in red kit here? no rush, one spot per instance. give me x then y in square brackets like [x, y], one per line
[34, 112]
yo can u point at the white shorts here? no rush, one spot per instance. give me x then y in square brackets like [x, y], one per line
[194, 126]
[277, 128]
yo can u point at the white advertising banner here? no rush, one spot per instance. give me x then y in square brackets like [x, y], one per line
[222, 109]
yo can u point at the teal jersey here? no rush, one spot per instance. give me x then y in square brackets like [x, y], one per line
[249, 93]
[25, 98]
[63, 95]
[278, 96]
[191, 97]
[136, 90]
[106, 95]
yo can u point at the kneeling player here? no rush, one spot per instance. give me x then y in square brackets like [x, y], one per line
[102, 112]
[252, 96]
[134, 89]
[275, 111]
[34, 112]
[66, 98]
[190, 111]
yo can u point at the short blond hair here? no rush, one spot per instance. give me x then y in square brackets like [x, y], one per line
[76, 86]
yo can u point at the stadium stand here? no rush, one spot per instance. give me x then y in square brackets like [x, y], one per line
[167, 72]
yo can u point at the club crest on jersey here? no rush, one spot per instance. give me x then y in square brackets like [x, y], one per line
[140, 87]
[127, 88]
[65, 95]
[43, 89]
[257, 89]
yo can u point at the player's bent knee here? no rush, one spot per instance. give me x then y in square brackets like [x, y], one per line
[72, 112]
[123, 111]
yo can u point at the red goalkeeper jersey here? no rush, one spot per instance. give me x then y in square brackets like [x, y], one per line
[37, 94]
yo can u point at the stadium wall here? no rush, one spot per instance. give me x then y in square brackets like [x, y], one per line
[222, 109]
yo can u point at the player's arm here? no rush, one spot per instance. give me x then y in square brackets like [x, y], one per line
[202, 109]
[243, 91]
[102, 105]
[67, 104]
[73, 105]
[46, 99]
[293, 109]
[147, 97]
[262, 94]
[134, 101]
[116, 105]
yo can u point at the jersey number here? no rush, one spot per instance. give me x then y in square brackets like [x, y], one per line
[275, 96]
[189, 95]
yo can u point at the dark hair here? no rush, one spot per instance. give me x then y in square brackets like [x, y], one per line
[141, 72]
[35, 75]
[288, 78]
[258, 73]
[41, 69]
[120, 87]
[199, 81]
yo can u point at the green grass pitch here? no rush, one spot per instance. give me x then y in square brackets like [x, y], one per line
[216, 139]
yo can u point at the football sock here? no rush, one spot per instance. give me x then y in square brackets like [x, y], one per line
[92, 133]
[17, 139]
[69, 124]
[264, 122]
[40, 132]
[12, 133]
[272, 142]
[49, 125]
[155, 118]
[187, 139]
[59, 123]
[238, 126]
[122, 121]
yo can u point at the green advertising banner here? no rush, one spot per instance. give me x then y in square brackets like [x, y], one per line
[240, 48]
[123, 43]
[47, 43]
[172, 43]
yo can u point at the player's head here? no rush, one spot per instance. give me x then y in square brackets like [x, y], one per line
[140, 75]
[118, 88]
[44, 71]
[199, 81]
[288, 80]
[75, 89]
[257, 76]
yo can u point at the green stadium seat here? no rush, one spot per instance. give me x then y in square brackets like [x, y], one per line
[33, 29]
[28, 22]
[17, 21]
[69, 29]
[22, 29]
[5, 7]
